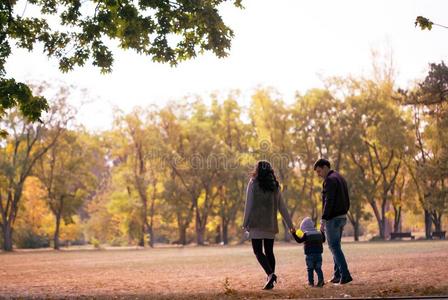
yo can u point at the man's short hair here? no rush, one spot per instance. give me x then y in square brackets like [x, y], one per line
[321, 163]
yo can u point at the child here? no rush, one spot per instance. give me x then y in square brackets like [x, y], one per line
[313, 248]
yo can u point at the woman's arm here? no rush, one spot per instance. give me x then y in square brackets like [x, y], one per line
[284, 211]
[249, 203]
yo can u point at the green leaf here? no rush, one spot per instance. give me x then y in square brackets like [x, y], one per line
[423, 22]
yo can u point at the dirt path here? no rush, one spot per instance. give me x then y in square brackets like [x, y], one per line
[379, 269]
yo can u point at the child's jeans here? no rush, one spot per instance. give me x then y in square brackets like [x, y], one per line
[314, 263]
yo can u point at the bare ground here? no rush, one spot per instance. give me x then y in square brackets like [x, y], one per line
[408, 268]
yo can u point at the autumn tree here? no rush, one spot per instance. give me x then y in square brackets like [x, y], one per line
[26, 143]
[271, 119]
[233, 135]
[67, 173]
[428, 170]
[178, 194]
[139, 148]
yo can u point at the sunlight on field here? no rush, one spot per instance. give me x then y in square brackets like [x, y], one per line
[379, 269]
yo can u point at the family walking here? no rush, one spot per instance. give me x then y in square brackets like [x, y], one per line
[263, 202]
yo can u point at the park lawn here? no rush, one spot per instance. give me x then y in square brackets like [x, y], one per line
[379, 269]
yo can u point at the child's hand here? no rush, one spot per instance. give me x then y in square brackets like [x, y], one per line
[299, 233]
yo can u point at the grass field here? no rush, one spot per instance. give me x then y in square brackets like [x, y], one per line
[379, 269]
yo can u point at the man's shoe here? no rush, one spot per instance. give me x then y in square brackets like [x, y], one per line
[335, 280]
[320, 284]
[345, 280]
[311, 284]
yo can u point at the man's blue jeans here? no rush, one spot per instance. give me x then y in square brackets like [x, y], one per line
[334, 228]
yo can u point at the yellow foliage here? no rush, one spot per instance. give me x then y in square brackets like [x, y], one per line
[72, 231]
[390, 215]
[201, 199]
[212, 224]
[34, 213]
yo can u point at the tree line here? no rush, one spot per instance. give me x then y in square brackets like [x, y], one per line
[178, 173]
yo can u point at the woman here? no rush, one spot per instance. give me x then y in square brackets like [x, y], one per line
[263, 200]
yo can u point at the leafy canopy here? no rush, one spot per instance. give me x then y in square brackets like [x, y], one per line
[168, 31]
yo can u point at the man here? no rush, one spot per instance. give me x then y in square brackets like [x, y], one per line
[335, 205]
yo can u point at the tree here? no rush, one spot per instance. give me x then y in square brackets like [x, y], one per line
[33, 225]
[317, 132]
[166, 31]
[179, 203]
[67, 173]
[139, 143]
[203, 163]
[306, 153]
[357, 211]
[25, 145]
[428, 170]
[378, 150]
[271, 119]
[193, 155]
[233, 137]
[177, 195]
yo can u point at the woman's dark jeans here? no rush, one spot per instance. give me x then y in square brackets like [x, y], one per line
[314, 263]
[266, 259]
[334, 228]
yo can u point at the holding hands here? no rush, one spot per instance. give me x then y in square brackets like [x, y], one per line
[322, 225]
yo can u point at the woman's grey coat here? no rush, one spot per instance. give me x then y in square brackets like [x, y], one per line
[260, 213]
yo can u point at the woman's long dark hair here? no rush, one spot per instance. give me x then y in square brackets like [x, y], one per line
[265, 176]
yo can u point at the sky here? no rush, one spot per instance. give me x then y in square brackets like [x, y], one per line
[289, 45]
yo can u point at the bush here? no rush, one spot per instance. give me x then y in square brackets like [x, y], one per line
[29, 240]
[118, 242]
[77, 242]
[95, 243]
[376, 238]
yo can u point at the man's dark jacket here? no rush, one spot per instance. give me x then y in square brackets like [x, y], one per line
[334, 196]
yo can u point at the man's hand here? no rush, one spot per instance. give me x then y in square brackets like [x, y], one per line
[292, 230]
[322, 225]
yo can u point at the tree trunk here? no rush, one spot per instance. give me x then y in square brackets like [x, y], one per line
[428, 225]
[381, 227]
[7, 236]
[182, 235]
[356, 230]
[141, 242]
[383, 219]
[437, 220]
[378, 217]
[151, 216]
[151, 236]
[200, 233]
[354, 220]
[438, 226]
[183, 223]
[225, 233]
[397, 218]
[56, 232]
[200, 228]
